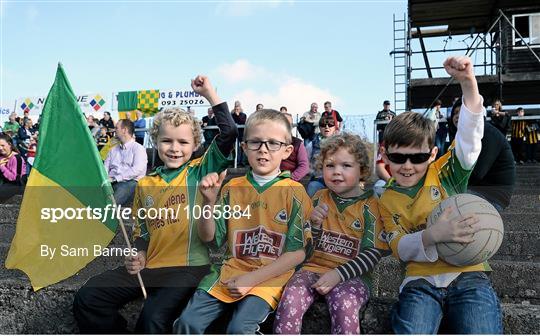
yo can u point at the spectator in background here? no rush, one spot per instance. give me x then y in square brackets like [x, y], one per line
[24, 135]
[125, 163]
[499, 118]
[139, 123]
[532, 133]
[94, 129]
[329, 112]
[518, 137]
[449, 110]
[12, 165]
[35, 126]
[239, 118]
[25, 118]
[386, 114]
[308, 124]
[209, 134]
[494, 173]
[297, 163]
[259, 107]
[31, 154]
[283, 109]
[383, 173]
[102, 137]
[107, 122]
[11, 127]
[327, 128]
[442, 128]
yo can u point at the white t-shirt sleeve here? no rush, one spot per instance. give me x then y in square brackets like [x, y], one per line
[411, 248]
[469, 136]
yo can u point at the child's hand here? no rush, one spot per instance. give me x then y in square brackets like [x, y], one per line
[451, 229]
[4, 161]
[202, 85]
[327, 282]
[210, 184]
[134, 264]
[239, 286]
[460, 68]
[318, 215]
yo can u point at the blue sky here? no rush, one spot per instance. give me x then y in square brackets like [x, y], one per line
[279, 53]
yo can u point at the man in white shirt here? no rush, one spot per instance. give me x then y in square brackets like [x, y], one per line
[125, 163]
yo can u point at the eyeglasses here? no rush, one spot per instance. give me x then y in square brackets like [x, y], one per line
[327, 124]
[415, 158]
[271, 145]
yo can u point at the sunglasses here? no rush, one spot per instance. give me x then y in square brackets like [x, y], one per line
[327, 124]
[415, 158]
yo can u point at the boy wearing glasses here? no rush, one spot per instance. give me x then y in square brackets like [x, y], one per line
[433, 288]
[265, 241]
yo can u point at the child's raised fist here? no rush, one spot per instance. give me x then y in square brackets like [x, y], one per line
[201, 85]
[318, 215]
[459, 67]
[210, 184]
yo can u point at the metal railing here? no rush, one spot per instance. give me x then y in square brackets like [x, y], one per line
[148, 142]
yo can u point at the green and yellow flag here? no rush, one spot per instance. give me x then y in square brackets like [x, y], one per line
[146, 101]
[59, 229]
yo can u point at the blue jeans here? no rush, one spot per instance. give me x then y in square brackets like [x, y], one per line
[469, 304]
[314, 186]
[203, 309]
[124, 191]
[240, 155]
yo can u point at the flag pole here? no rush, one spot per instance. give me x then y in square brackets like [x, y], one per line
[126, 238]
[129, 247]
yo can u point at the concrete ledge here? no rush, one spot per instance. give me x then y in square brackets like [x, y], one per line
[514, 282]
[48, 311]
[524, 203]
[521, 221]
[519, 246]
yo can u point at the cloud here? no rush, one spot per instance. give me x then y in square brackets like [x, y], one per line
[278, 89]
[247, 8]
[294, 93]
[241, 70]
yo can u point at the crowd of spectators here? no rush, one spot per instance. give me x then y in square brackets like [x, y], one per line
[20, 136]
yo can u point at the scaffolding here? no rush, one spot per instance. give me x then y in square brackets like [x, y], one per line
[419, 81]
[400, 54]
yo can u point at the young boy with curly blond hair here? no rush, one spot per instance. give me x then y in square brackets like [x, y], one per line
[170, 257]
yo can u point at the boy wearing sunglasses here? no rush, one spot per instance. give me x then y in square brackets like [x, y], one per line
[432, 288]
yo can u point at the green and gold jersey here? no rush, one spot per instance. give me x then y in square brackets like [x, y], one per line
[351, 226]
[172, 236]
[274, 221]
[405, 210]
